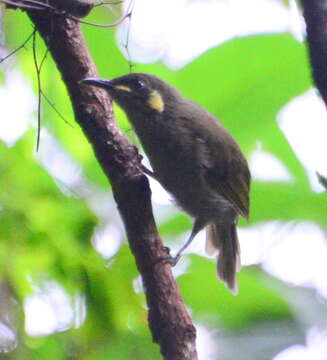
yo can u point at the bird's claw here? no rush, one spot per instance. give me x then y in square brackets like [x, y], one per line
[166, 249]
[168, 259]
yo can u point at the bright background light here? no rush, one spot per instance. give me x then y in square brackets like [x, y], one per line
[196, 26]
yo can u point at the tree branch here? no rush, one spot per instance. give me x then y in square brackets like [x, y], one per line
[315, 15]
[169, 319]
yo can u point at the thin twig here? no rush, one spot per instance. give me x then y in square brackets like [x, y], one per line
[43, 94]
[38, 91]
[35, 5]
[115, 23]
[18, 48]
[126, 46]
[43, 59]
[40, 3]
[108, 3]
[55, 109]
[21, 6]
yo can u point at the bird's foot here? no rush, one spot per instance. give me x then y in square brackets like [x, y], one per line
[172, 260]
[169, 259]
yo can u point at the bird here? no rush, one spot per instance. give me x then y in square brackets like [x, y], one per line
[193, 157]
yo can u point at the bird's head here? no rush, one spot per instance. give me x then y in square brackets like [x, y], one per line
[138, 92]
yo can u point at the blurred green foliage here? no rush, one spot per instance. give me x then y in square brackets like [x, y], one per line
[46, 232]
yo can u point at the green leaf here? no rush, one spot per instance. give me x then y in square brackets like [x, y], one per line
[213, 304]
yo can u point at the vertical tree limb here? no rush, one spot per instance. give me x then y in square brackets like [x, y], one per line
[169, 320]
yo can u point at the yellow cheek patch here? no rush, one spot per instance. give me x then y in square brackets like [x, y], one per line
[155, 101]
[122, 87]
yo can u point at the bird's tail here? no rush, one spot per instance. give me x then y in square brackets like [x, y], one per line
[224, 238]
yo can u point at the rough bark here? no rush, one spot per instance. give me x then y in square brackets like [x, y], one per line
[169, 320]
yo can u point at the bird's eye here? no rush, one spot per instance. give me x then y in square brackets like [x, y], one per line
[139, 85]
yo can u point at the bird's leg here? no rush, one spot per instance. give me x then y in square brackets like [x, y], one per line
[173, 260]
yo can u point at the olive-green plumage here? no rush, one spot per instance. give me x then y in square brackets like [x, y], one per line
[193, 157]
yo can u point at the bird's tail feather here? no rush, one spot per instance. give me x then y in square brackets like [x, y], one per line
[224, 238]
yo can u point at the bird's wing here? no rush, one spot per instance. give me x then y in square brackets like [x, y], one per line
[226, 171]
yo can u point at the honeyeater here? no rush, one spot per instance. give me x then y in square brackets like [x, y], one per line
[193, 157]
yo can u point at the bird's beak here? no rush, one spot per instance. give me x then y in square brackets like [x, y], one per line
[102, 83]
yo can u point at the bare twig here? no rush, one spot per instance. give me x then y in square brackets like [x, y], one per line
[38, 70]
[37, 5]
[126, 45]
[114, 24]
[18, 48]
[55, 109]
[108, 3]
[43, 59]
[27, 4]
[40, 67]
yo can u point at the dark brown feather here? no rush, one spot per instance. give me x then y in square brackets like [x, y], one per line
[226, 172]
